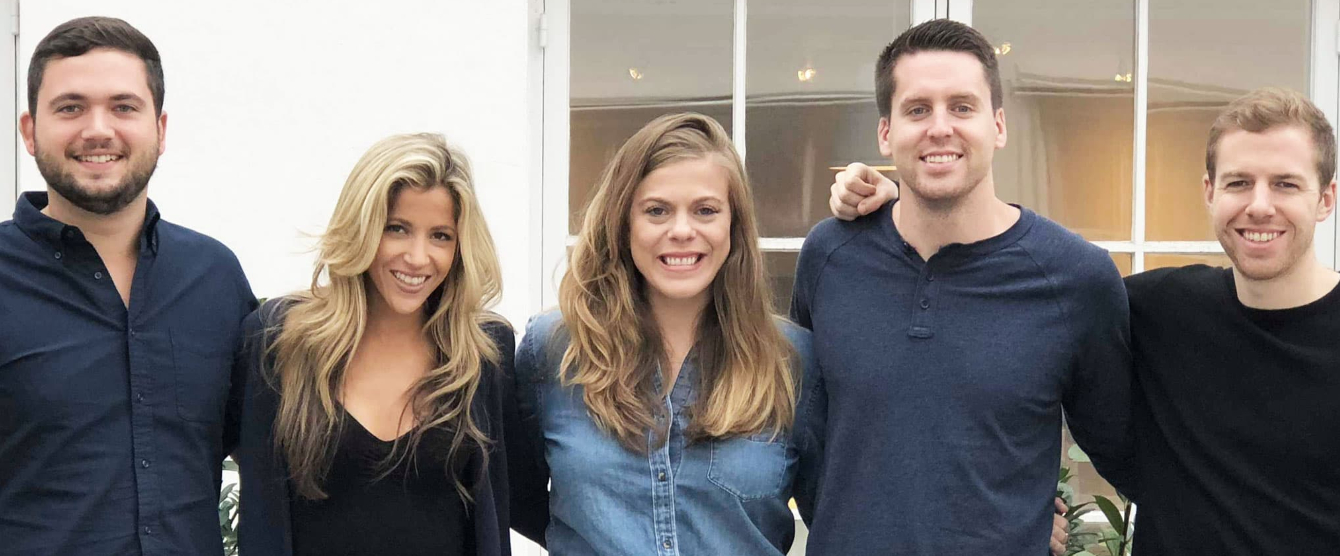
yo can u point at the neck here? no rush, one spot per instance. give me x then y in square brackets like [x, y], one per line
[677, 320]
[1308, 281]
[110, 234]
[383, 322]
[928, 226]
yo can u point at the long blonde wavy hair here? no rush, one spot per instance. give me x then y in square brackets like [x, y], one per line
[745, 384]
[324, 324]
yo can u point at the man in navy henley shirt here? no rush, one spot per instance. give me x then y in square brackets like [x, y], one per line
[951, 330]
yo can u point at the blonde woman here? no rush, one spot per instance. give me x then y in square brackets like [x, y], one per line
[372, 418]
[660, 399]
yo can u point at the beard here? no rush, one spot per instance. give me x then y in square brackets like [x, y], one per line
[1300, 246]
[109, 201]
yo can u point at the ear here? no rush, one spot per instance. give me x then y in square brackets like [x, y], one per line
[162, 133]
[1327, 204]
[1208, 186]
[27, 128]
[885, 148]
[1000, 128]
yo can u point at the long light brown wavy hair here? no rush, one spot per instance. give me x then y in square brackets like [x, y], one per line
[745, 384]
[324, 324]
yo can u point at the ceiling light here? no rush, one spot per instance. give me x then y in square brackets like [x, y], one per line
[806, 75]
[1003, 49]
[636, 75]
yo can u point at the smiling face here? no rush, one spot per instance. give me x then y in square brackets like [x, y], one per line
[95, 135]
[417, 249]
[942, 132]
[679, 229]
[1265, 200]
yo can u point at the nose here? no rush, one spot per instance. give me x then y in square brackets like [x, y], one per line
[681, 228]
[940, 125]
[98, 125]
[1262, 205]
[417, 253]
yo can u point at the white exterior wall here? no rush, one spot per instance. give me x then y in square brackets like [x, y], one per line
[270, 104]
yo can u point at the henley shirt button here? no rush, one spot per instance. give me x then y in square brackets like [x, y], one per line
[930, 277]
[139, 396]
[144, 463]
[925, 304]
[97, 275]
[58, 255]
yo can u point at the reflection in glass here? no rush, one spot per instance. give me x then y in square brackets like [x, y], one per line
[1203, 54]
[634, 60]
[780, 267]
[1069, 110]
[810, 101]
[1123, 261]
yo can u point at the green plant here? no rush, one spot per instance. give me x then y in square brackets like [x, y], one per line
[1116, 536]
[228, 502]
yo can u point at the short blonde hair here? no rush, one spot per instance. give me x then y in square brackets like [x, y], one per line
[1270, 107]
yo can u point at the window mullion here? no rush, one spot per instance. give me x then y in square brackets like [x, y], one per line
[1141, 122]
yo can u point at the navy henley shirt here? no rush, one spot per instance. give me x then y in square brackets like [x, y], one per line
[114, 420]
[945, 382]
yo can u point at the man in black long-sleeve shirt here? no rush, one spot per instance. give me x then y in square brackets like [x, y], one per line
[1237, 370]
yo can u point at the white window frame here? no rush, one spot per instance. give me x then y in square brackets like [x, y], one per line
[1324, 80]
[9, 143]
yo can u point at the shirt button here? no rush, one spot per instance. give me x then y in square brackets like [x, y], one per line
[660, 476]
[930, 277]
[58, 255]
[144, 463]
[139, 396]
[667, 543]
[148, 530]
[97, 275]
[925, 303]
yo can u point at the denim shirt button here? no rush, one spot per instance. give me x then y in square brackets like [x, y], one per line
[667, 543]
[660, 476]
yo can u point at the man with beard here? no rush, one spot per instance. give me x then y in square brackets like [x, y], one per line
[1237, 369]
[951, 331]
[117, 328]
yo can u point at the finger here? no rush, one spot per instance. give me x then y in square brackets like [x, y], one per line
[1058, 548]
[865, 173]
[1061, 508]
[841, 211]
[855, 183]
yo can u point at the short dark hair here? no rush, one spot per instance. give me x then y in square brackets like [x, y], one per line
[78, 36]
[1271, 107]
[936, 34]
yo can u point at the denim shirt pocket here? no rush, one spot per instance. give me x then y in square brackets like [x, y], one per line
[752, 467]
[202, 366]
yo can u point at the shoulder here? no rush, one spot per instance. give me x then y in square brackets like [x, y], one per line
[831, 233]
[1066, 256]
[1166, 284]
[187, 241]
[499, 330]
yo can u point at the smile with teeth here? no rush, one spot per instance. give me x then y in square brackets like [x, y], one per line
[681, 261]
[1260, 237]
[407, 279]
[941, 158]
[98, 158]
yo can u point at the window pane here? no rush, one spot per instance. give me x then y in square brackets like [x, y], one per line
[1070, 121]
[811, 101]
[781, 272]
[1162, 260]
[631, 62]
[1203, 54]
[1123, 261]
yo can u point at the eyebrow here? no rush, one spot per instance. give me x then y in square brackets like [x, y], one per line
[1273, 177]
[959, 97]
[664, 201]
[77, 97]
[405, 223]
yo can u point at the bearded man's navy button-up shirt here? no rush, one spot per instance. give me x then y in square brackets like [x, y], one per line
[114, 420]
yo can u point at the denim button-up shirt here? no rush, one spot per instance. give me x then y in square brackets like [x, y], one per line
[114, 420]
[716, 496]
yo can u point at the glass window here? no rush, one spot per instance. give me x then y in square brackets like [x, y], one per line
[810, 86]
[1069, 110]
[1163, 260]
[634, 60]
[1202, 55]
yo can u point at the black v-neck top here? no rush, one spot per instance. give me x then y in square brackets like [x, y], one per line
[413, 510]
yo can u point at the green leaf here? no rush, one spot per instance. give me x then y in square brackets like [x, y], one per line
[1111, 512]
[1077, 455]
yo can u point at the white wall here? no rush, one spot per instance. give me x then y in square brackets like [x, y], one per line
[270, 104]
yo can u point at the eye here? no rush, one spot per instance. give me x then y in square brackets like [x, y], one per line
[963, 108]
[1236, 184]
[656, 210]
[918, 111]
[394, 229]
[1286, 185]
[68, 109]
[708, 210]
[443, 236]
[125, 108]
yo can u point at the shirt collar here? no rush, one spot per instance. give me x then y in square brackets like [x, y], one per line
[29, 218]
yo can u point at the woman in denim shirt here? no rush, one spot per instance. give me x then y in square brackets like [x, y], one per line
[660, 399]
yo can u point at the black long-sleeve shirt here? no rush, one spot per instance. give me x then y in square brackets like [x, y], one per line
[114, 419]
[1237, 416]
